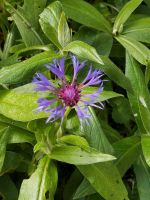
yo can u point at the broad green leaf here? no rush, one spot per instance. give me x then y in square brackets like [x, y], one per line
[43, 180]
[78, 156]
[121, 110]
[102, 41]
[10, 122]
[8, 189]
[105, 180]
[22, 49]
[124, 14]
[83, 50]
[145, 141]
[20, 136]
[95, 135]
[104, 95]
[20, 104]
[11, 162]
[49, 21]
[26, 23]
[112, 134]
[114, 73]
[64, 35]
[45, 134]
[138, 29]
[83, 190]
[74, 140]
[127, 151]
[86, 14]
[142, 172]
[19, 72]
[17, 135]
[95, 197]
[4, 137]
[72, 184]
[32, 10]
[140, 100]
[13, 59]
[139, 51]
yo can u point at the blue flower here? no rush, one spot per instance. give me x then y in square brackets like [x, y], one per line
[68, 94]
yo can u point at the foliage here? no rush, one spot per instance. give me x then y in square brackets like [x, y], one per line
[110, 157]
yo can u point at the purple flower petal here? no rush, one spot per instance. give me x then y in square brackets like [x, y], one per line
[42, 83]
[69, 95]
[82, 112]
[77, 67]
[57, 68]
[44, 103]
[56, 113]
[92, 78]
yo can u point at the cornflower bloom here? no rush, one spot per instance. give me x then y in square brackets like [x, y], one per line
[68, 94]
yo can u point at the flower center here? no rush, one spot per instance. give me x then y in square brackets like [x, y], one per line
[70, 94]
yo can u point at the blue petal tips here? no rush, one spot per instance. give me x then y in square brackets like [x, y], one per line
[68, 94]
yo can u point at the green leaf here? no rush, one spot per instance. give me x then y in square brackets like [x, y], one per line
[49, 21]
[147, 73]
[8, 189]
[26, 20]
[105, 180]
[11, 162]
[147, 2]
[8, 43]
[139, 51]
[17, 135]
[140, 100]
[102, 41]
[104, 95]
[72, 184]
[127, 151]
[83, 50]
[95, 135]
[19, 72]
[20, 49]
[74, 140]
[20, 104]
[142, 172]
[114, 73]
[10, 122]
[83, 190]
[112, 134]
[86, 14]
[121, 110]
[124, 14]
[145, 141]
[4, 137]
[78, 156]
[64, 35]
[43, 180]
[21, 136]
[138, 29]
[32, 10]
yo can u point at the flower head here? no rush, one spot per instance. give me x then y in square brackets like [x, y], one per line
[68, 94]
